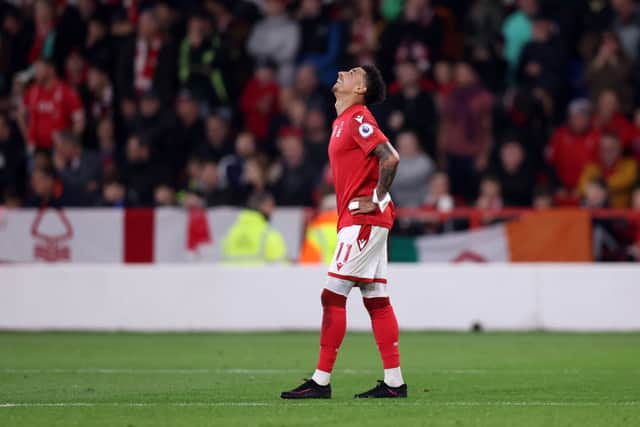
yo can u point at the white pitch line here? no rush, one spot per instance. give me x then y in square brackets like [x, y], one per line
[307, 404]
[145, 371]
[243, 371]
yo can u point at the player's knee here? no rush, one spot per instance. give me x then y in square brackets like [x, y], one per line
[329, 298]
[376, 303]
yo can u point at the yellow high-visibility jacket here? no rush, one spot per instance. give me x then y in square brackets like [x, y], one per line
[252, 240]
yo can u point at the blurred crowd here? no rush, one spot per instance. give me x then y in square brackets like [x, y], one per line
[491, 103]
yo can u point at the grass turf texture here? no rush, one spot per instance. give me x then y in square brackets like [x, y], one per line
[455, 379]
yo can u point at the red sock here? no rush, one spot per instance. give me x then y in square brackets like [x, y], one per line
[385, 330]
[334, 326]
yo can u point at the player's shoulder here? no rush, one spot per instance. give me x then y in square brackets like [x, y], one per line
[361, 115]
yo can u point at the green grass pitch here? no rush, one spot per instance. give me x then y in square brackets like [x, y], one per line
[455, 379]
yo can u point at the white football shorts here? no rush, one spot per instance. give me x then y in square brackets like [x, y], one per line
[360, 260]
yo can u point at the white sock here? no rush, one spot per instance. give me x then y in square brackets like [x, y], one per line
[322, 377]
[393, 377]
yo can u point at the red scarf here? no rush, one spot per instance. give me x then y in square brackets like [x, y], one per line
[145, 63]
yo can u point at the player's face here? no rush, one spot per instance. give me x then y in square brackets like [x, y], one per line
[350, 81]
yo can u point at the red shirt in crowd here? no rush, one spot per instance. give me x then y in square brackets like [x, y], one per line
[618, 125]
[50, 109]
[355, 171]
[259, 103]
[569, 153]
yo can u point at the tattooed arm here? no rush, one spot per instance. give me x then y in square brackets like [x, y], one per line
[388, 159]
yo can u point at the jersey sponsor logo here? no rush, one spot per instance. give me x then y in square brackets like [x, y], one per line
[359, 118]
[365, 130]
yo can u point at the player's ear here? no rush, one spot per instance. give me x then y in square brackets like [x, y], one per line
[360, 89]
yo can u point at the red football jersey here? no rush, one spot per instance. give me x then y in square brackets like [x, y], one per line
[50, 110]
[355, 170]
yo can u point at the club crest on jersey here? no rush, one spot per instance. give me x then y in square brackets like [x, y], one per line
[365, 130]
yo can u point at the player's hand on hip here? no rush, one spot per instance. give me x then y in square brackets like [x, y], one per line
[362, 205]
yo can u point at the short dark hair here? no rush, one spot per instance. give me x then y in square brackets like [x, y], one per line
[376, 87]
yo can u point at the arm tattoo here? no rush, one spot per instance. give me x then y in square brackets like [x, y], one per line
[388, 164]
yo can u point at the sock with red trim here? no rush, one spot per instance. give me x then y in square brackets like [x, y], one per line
[334, 326]
[385, 330]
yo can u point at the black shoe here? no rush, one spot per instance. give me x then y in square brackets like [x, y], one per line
[383, 390]
[308, 390]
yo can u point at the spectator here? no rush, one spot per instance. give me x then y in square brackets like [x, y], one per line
[204, 64]
[610, 70]
[595, 194]
[413, 171]
[465, 137]
[14, 47]
[259, 101]
[218, 142]
[79, 169]
[620, 173]
[44, 38]
[189, 131]
[107, 147]
[253, 180]
[321, 40]
[206, 191]
[232, 165]
[515, 174]
[524, 114]
[209, 178]
[49, 107]
[293, 114]
[98, 46]
[609, 119]
[443, 80]
[48, 191]
[365, 31]
[12, 160]
[572, 146]
[276, 38]
[416, 37]
[251, 240]
[627, 25]
[97, 99]
[140, 173]
[291, 179]
[542, 198]
[320, 237]
[114, 193]
[306, 87]
[147, 61]
[517, 31]
[490, 196]
[412, 107]
[438, 193]
[156, 126]
[164, 196]
[543, 61]
[75, 70]
[316, 138]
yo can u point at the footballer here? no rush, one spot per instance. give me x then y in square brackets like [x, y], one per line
[363, 164]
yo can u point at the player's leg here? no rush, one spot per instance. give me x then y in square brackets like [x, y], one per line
[334, 324]
[384, 323]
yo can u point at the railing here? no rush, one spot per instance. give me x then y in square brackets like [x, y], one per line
[479, 217]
